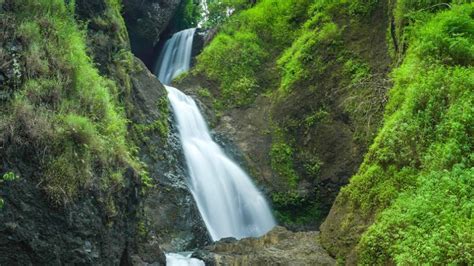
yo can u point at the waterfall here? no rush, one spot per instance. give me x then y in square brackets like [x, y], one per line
[228, 201]
[175, 57]
[182, 259]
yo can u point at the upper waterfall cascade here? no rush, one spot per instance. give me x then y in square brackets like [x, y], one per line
[229, 203]
[175, 58]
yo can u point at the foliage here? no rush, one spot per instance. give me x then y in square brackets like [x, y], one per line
[220, 10]
[418, 173]
[236, 72]
[298, 57]
[245, 46]
[7, 177]
[81, 127]
[292, 209]
[316, 117]
[407, 13]
[362, 7]
[188, 14]
[367, 96]
[432, 224]
[160, 126]
[281, 158]
[302, 59]
[204, 93]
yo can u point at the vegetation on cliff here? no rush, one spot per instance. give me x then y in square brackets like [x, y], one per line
[417, 176]
[297, 54]
[60, 110]
[411, 195]
[69, 174]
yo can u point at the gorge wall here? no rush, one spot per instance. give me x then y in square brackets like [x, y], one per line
[309, 95]
[79, 170]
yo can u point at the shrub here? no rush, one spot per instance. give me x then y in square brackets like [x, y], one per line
[303, 59]
[234, 61]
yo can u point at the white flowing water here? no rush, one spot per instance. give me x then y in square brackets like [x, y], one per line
[228, 201]
[175, 57]
[182, 259]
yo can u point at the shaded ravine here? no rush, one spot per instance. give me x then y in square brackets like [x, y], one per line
[228, 201]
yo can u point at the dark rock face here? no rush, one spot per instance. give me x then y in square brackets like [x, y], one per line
[170, 210]
[199, 42]
[85, 232]
[146, 20]
[96, 228]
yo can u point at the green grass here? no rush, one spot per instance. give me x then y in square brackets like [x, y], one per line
[240, 56]
[83, 128]
[302, 60]
[418, 173]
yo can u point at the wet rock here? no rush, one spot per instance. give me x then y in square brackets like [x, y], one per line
[171, 213]
[199, 42]
[146, 20]
[32, 232]
[278, 247]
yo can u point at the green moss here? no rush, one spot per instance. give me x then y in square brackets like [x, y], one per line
[406, 13]
[87, 136]
[362, 7]
[247, 44]
[357, 70]
[432, 224]
[366, 97]
[320, 116]
[291, 209]
[234, 61]
[304, 58]
[9, 176]
[160, 126]
[281, 158]
[417, 176]
[204, 93]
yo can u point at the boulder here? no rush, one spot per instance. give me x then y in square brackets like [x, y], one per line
[146, 20]
[278, 247]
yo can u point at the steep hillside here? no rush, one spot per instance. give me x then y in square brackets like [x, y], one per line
[411, 200]
[305, 87]
[301, 92]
